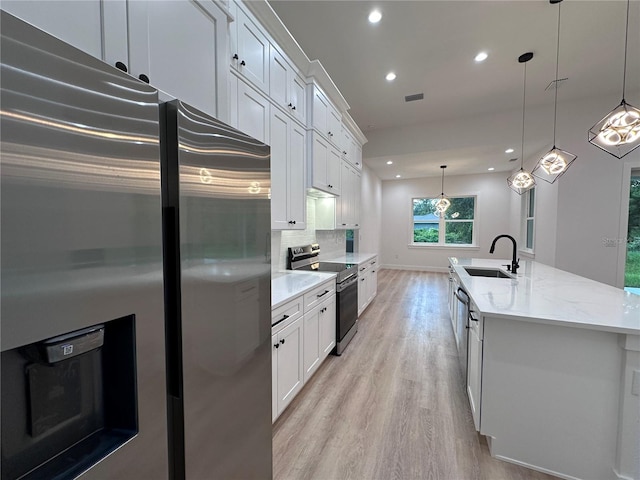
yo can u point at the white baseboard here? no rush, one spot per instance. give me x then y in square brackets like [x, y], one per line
[418, 268]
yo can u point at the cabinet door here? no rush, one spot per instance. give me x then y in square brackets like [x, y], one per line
[278, 78]
[343, 202]
[357, 189]
[363, 291]
[77, 23]
[298, 97]
[311, 341]
[319, 158]
[252, 51]
[279, 134]
[328, 326]
[373, 282]
[290, 371]
[334, 127]
[297, 199]
[274, 377]
[320, 112]
[474, 375]
[252, 112]
[163, 38]
[334, 168]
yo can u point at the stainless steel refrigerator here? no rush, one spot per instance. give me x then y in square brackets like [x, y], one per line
[134, 277]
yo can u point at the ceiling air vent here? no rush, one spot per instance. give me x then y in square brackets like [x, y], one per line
[414, 97]
[513, 159]
[556, 84]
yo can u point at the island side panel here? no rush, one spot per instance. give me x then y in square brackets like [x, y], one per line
[550, 397]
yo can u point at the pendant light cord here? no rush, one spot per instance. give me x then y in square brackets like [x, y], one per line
[626, 39]
[555, 104]
[442, 185]
[524, 92]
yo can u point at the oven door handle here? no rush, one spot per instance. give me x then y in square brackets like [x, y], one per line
[456, 293]
[351, 279]
[347, 278]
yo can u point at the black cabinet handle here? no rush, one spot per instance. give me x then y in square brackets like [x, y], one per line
[362, 279]
[323, 294]
[235, 56]
[284, 317]
[282, 341]
[357, 163]
[344, 224]
[290, 105]
[144, 78]
[471, 316]
[242, 63]
[277, 345]
[294, 222]
[293, 108]
[344, 153]
[121, 66]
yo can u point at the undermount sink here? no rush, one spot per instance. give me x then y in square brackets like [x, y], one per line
[486, 272]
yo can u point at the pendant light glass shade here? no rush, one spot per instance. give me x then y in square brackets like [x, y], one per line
[556, 161]
[522, 181]
[443, 203]
[618, 133]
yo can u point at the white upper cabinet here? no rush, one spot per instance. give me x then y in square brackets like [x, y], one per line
[153, 41]
[325, 165]
[286, 86]
[325, 118]
[77, 23]
[348, 204]
[250, 51]
[288, 193]
[163, 38]
[249, 110]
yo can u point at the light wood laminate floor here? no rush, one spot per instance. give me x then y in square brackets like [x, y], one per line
[393, 406]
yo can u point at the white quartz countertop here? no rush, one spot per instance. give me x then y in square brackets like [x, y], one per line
[358, 258]
[545, 294]
[290, 284]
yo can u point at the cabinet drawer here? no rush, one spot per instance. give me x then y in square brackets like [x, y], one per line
[319, 294]
[285, 314]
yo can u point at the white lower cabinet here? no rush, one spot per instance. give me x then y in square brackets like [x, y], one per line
[301, 341]
[367, 283]
[286, 355]
[474, 367]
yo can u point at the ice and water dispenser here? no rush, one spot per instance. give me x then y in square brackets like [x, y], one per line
[68, 401]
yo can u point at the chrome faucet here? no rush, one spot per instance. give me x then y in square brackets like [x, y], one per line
[514, 263]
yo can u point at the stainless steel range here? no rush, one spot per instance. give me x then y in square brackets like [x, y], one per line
[307, 258]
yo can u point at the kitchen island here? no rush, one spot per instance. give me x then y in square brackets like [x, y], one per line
[553, 369]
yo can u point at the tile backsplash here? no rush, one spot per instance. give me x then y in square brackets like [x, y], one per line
[332, 242]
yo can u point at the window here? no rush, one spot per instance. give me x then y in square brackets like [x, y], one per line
[456, 228]
[528, 227]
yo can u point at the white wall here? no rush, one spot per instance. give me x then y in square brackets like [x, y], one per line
[369, 235]
[492, 218]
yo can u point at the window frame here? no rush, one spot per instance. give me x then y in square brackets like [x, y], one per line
[442, 226]
[527, 208]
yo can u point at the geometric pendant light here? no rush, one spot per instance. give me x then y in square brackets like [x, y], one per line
[556, 161]
[618, 133]
[443, 203]
[522, 181]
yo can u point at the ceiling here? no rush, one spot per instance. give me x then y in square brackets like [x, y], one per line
[431, 46]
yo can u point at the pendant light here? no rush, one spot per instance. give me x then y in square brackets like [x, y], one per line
[443, 203]
[556, 161]
[522, 181]
[618, 133]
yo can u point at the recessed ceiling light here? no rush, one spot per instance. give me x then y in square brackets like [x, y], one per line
[389, 162]
[481, 57]
[375, 16]
[509, 150]
[398, 176]
[491, 169]
[390, 76]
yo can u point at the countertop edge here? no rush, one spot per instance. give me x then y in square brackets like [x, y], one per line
[321, 278]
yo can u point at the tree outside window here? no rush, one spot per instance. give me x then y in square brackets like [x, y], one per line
[456, 228]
